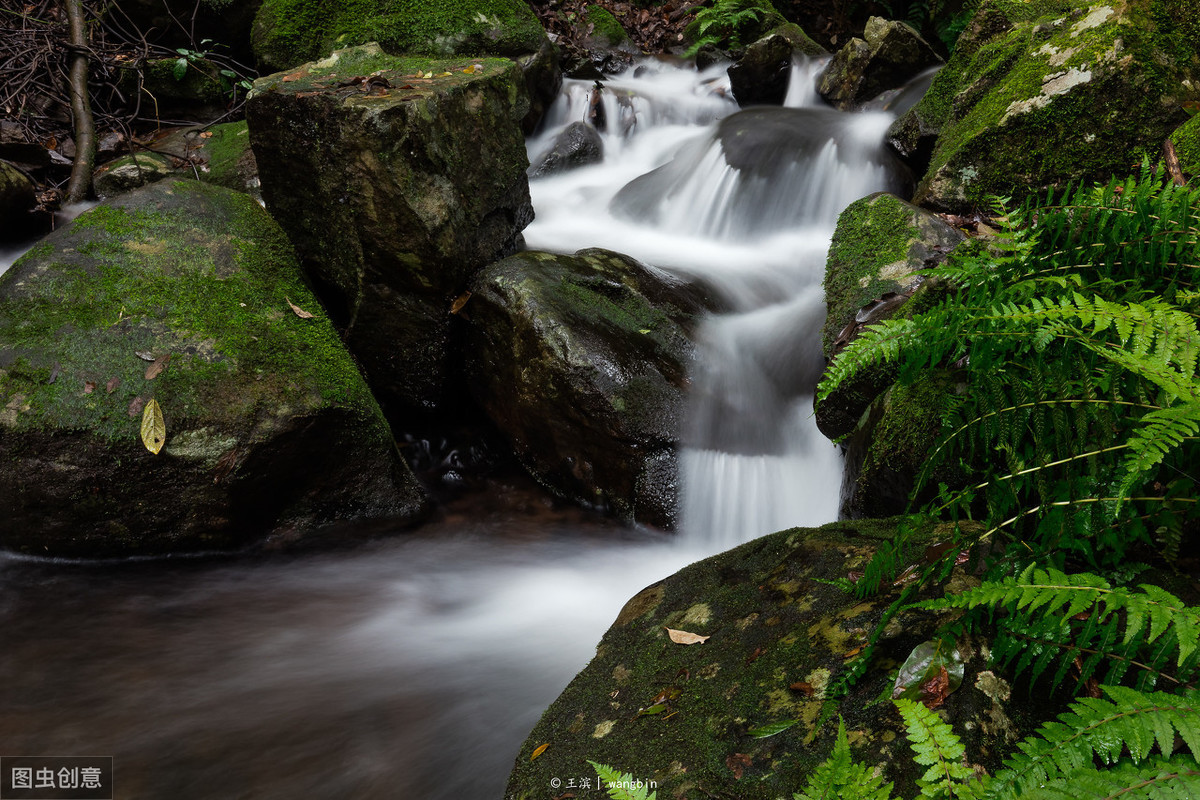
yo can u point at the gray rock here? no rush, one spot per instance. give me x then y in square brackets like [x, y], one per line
[888, 55]
[760, 77]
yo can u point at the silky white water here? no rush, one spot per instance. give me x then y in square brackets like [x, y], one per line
[414, 667]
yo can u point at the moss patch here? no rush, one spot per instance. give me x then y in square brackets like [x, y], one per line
[1187, 145]
[290, 32]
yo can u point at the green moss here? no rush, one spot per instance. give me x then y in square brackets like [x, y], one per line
[290, 32]
[871, 233]
[1055, 76]
[211, 289]
[226, 148]
[605, 26]
[1187, 145]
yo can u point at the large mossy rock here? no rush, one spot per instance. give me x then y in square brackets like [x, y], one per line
[879, 248]
[1040, 94]
[681, 715]
[291, 32]
[218, 154]
[888, 55]
[582, 362]
[269, 426]
[395, 191]
[1186, 140]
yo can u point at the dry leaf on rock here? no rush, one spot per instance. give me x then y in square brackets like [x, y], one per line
[685, 637]
[298, 311]
[154, 429]
[157, 367]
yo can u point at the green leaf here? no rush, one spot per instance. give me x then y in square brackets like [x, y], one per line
[763, 731]
[180, 69]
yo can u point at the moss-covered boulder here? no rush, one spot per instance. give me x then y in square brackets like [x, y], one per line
[733, 25]
[1186, 140]
[396, 179]
[780, 637]
[16, 201]
[179, 293]
[888, 55]
[291, 32]
[126, 173]
[1037, 94]
[582, 362]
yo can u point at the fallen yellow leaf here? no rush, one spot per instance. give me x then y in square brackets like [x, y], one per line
[685, 637]
[539, 750]
[154, 429]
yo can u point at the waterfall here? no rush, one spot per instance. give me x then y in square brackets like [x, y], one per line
[746, 202]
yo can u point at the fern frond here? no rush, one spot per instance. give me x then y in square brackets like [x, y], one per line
[622, 785]
[840, 778]
[1158, 779]
[1095, 728]
[936, 746]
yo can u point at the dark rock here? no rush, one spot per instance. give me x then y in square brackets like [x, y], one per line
[578, 145]
[888, 55]
[16, 201]
[270, 428]
[394, 193]
[760, 77]
[780, 638]
[709, 55]
[582, 362]
[543, 79]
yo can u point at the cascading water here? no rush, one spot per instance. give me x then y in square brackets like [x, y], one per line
[746, 204]
[413, 667]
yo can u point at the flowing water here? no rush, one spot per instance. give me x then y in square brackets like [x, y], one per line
[414, 667]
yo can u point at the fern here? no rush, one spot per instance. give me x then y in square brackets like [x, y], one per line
[1082, 622]
[840, 778]
[936, 746]
[1064, 751]
[622, 785]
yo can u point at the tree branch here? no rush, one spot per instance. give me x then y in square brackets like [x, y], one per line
[81, 108]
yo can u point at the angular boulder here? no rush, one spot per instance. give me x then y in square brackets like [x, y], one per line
[582, 362]
[888, 55]
[179, 293]
[780, 638]
[396, 179]
[1039, 95]
[760, 77]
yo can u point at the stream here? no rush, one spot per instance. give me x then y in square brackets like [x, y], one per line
[414, 666]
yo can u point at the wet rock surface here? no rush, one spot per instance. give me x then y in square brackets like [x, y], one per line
[582, 361]
[395, 191]
[888, 55]
[179, 293]
[578, 145]
[779, 637]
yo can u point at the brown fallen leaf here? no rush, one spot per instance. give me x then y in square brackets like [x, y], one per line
[154, 429]
[298, 311]
[934, 690]
[737, 764]
[155, 369]
[144, 355]
[135, 406]
[55, 372]
[112, 385]
[89, 387]
[541, 748]
[804, 687]
[459, 302]
[685, 637]
[225, 465]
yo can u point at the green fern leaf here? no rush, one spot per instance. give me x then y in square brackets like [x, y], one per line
[840, 778]
[936, 746]
[622, 785]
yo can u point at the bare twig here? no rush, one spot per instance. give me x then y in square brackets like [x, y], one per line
[81, 107]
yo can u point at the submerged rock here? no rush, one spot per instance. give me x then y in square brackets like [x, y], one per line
[1038, 95]
[395, 190]
[779, 638]
[179, 293]
[888, 55]
[578, 145]
[582, 362]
